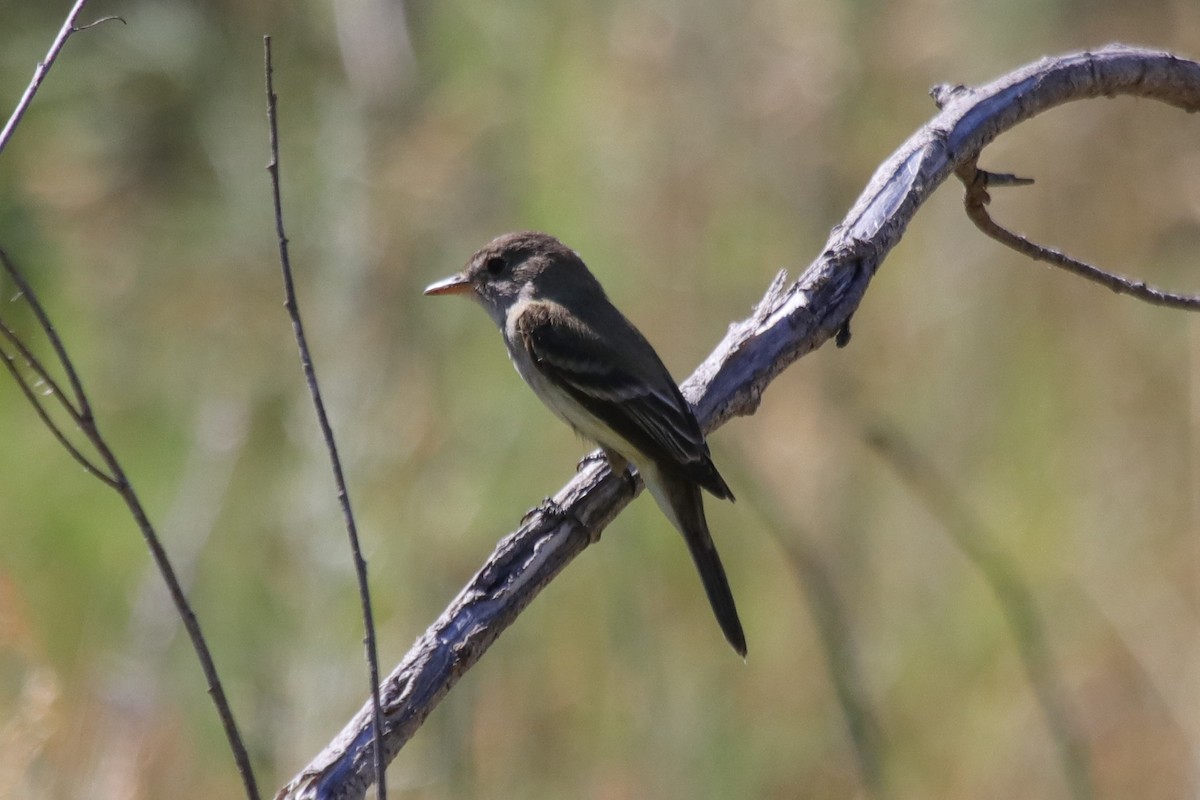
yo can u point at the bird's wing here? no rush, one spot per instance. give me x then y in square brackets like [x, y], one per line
[640, 402]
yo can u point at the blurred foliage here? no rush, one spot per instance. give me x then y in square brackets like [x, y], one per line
[688, 151]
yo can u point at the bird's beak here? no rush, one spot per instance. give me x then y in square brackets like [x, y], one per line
[455, 284]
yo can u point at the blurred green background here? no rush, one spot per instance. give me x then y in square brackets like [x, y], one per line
[688, 151]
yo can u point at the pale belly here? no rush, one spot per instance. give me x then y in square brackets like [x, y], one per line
[588, 426]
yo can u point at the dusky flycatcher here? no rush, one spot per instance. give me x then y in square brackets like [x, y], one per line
[597, 373]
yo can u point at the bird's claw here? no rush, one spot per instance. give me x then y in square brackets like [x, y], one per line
[590, 458]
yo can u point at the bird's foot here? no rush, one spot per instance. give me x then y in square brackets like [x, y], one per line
[589, 459]
[549, 507]
[630, 478]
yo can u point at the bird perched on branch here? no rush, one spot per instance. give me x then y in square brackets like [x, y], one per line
[597, 373]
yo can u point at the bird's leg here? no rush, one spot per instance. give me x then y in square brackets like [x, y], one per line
[619, 465]
[616, 462]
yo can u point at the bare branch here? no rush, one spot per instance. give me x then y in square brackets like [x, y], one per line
[81, 411]
[975, 200]
[35, 400]
[310, 378]
[111, 474]
[43, 68]
[32, 361]
[790, 321]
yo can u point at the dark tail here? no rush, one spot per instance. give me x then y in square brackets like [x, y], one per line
[688, 506]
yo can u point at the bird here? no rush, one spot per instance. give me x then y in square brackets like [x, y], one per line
[595, 371]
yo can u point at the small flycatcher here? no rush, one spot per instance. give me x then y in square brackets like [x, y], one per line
[597, 373]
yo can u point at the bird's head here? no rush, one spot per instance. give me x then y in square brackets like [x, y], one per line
[520, 266]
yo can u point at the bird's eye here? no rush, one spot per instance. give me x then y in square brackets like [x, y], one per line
[495, 265]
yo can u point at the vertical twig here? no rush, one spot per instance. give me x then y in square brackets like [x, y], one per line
[310, 377]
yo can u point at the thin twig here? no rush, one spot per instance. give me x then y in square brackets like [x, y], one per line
[101, 21]
[36, 401]
[1015, 599]
[310, 377]
[77, 414]
[43, 67]
[117, 479]
[44, 377]
[975, 199]
[82, 410]
[81, 413]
